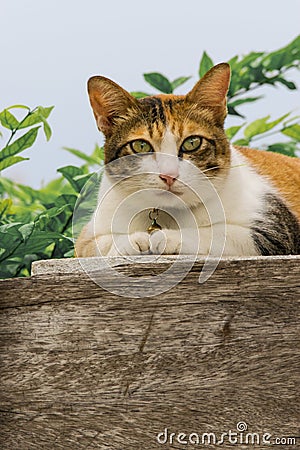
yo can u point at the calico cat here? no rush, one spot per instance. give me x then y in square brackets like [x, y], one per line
[246, 200]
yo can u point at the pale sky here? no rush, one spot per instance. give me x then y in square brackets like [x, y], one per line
[49, 50]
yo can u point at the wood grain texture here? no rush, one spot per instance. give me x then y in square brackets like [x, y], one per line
[84, 369]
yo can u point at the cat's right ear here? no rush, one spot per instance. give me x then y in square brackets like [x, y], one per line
[109, 101]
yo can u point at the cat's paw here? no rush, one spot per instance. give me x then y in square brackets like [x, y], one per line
[133, 244]
[140, 242]
[165, 242]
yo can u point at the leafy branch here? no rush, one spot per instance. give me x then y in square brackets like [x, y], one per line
[38, 115]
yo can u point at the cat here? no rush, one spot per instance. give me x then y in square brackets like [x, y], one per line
[181, 164]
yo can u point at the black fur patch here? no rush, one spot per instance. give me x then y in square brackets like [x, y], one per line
[278, 230]
[155, 109]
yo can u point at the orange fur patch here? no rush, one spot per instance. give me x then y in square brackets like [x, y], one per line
[282, 171]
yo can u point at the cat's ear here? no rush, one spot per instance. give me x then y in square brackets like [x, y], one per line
[211, 89]
[109, 102]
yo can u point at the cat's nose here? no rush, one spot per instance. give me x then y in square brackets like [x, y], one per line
[167, 179]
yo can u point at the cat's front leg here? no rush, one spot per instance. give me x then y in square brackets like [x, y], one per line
[133, 244]
[174, 242]
[161, 242]
[165, 242]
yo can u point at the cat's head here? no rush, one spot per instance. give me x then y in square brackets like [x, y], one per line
[168, 134]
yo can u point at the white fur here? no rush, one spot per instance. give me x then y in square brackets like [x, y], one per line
[166, 165]
[222, 208]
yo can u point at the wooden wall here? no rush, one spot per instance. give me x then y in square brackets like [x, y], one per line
[82, 368]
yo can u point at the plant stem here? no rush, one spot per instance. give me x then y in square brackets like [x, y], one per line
[18, 127]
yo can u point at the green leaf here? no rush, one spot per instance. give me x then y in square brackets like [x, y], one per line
[89, 159]
[5, 206]
[179, 81]
[249, 59]
[69, 254]
[8, 120]
[159, 81]
[19, 107]
[261, 126]
[286, 148]
[38, 242]
[64, 248]
[82, 179]
[241, 101]
[232, 131]
[206, 63]
[66, 199]
[242, 142]
[98, 153]
[45, 111]
[8, 187]
[10, 239]
[30, 195]
[232, 62]
[60, 217]
[58, 185]
[39, 115]
[290, 119]
[71, 173]
[20, 240]
[47, 129]
[292, 131]
[289, 84]
[25, 141]
[32, 118]
[26, 231]
[232, 111]
[10, 161]
[284, 57]
[138, 94]
[10, 268]
[45, 222]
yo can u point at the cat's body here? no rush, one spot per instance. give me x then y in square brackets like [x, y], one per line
[225, 200]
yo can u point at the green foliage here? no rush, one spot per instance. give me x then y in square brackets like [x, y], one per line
[161, 83]
[250, 72]
[206, 63]
[261, 69]
[37, 223]
[14, 146]
[264, 128]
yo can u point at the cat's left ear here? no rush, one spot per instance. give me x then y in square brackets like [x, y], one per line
[211, 90]
[110, 102]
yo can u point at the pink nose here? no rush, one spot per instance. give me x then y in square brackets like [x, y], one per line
[167, 179]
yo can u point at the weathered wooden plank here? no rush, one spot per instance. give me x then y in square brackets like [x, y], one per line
[82, 368]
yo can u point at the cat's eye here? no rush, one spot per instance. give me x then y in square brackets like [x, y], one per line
[140, 146]
[191, 144]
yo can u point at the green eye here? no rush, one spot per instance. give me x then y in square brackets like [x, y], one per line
[140, 146]
[191, 144]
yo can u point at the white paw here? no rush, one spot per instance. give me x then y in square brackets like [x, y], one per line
[134, 244]
[165, 242]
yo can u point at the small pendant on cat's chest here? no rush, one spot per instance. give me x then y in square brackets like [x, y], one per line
[153, 215]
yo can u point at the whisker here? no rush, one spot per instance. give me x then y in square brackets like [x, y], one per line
[211, 168]
[238, 165]
[228, 167]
